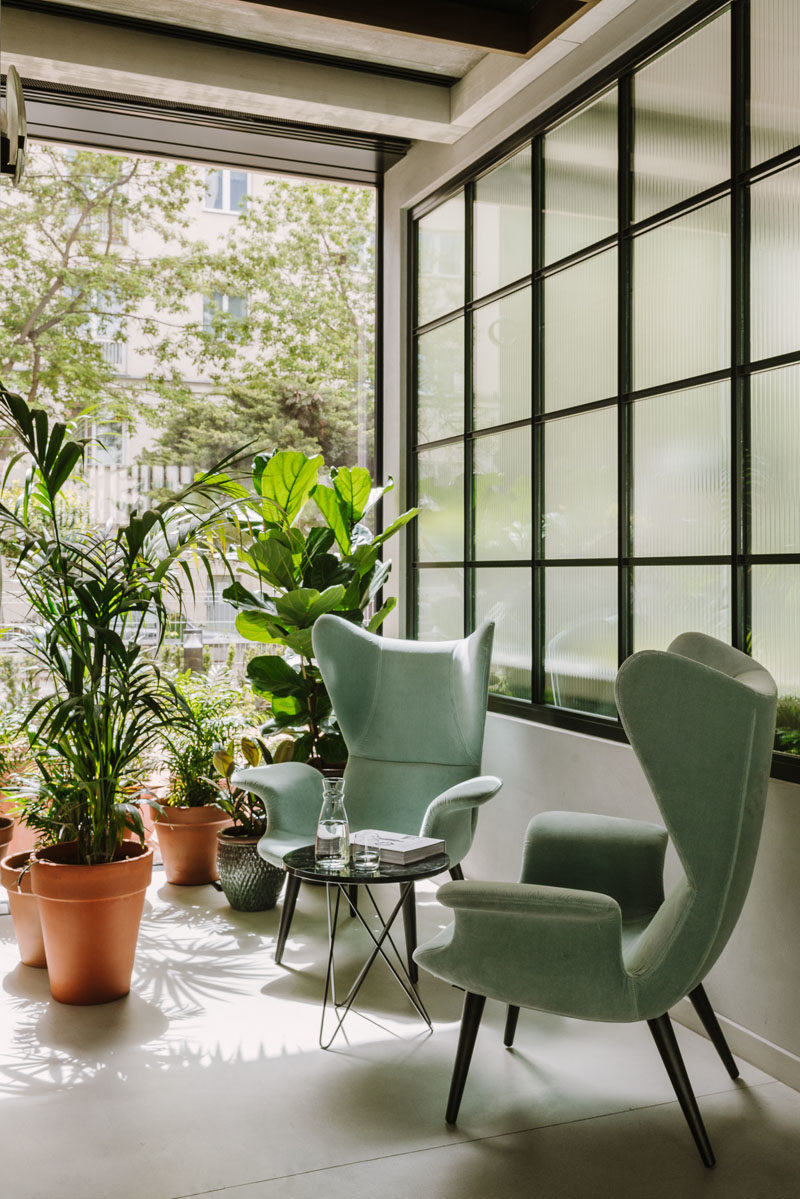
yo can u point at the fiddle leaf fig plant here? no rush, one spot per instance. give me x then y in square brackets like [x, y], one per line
[91, 592]
[299, 571]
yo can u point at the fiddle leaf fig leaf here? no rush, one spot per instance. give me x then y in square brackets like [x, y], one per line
[285, 481]
[329, 504]
[353, 486]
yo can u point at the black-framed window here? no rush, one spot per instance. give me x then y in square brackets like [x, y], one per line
[605, 416]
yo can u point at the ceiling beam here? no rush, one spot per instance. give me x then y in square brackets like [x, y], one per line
[517, 30]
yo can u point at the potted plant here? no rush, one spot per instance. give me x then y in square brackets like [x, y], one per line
[90, 592]
[190, 816]
[302, 570]
[249, 882]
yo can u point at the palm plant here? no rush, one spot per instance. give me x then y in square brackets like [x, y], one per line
[91, 593]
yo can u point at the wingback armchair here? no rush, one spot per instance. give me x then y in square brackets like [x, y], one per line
[588, 932]
[412, 715]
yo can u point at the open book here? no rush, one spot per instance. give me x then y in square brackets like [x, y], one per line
[400, 849]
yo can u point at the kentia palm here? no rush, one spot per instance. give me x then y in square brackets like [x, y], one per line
[91, 593]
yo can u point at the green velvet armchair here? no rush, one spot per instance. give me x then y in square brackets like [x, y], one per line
[588, 932]
[412, 715]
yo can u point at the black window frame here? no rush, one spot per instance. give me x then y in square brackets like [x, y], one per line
[739, 372]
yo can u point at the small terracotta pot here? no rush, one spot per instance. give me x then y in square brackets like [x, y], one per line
[187, 838]
[90, 919]
[6, 833]
[24, 908]
[23, 839]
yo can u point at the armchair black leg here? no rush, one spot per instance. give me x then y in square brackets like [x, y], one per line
[664, 1037]
[511, 1026]
[711, 1025]
[289, 901]
[456, 874]
[470, 1022]
[410, 929]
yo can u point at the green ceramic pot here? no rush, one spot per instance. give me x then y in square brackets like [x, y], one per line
[250, 884]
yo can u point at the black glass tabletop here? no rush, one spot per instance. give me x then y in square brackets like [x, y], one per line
[302, 863]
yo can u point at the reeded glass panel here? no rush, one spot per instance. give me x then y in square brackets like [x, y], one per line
[668, 600]
[440, 382]
[504, 596]
[502, 490]
[682, 103]
[776, 643]
[681, 297]
[440, 524]
[502, 360]
[775, 264]
[681, 473]
[580, 657]
[580, 485]
[502, 225]
[580, 179]
[774, 77]
[580, 333]
[440, 256]
[440, 604]
[775, 424]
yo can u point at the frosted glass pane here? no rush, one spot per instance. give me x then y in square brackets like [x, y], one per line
[775, 264]
[775, 424]
[440, 605]
[668, 600]
[776, 643]
[504, 596]
[502, 224]
[774, 77]
[440, 255]
[580, 179]
[681, 473]
[681, 297]
[580, 485]
[440, 524]
[502, 360]
[580, 657]
[682, 103]
[502, 489]
[440, 382]
[580, 333]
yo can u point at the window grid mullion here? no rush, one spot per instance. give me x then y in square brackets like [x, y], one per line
[537, 427]
[469, 453]
[741, 590]
[625, 118]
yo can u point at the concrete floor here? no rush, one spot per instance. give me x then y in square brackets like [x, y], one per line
[208, 1080]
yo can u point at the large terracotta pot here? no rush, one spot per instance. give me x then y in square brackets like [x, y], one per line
[24, 908]
[250, 883]
[90, 919]
[187, 838]
[24, 838]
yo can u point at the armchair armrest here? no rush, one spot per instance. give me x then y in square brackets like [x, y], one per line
[606, 854]
[291, 793]
[551, 948]
[453, 814]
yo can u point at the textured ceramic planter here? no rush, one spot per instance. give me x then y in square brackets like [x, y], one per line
[24, 908]
[90, 920]
[250, 884]
[187, 838]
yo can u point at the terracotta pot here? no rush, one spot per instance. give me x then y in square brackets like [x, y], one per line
[187, 838]
[250, 883]
[6, 833]
[90, 920]
[24, 908]
[24, 838]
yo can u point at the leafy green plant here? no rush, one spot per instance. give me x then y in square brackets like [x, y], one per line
[212, 715]
[303, 571]
[787, 721]
[245, 809]
[90, 592]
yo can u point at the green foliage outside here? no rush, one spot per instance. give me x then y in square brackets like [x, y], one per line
[301, 571]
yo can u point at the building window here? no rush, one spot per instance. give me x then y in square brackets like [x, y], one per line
[219, 307]
[606, 365]
[226, 191]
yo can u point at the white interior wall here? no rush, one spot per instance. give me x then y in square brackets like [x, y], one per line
[754, 987]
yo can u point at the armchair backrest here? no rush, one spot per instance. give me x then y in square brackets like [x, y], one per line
[701, 720]
[412, 714]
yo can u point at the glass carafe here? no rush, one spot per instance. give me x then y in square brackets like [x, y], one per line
[332, 844]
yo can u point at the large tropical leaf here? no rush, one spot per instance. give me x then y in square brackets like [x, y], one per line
[284, 481]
